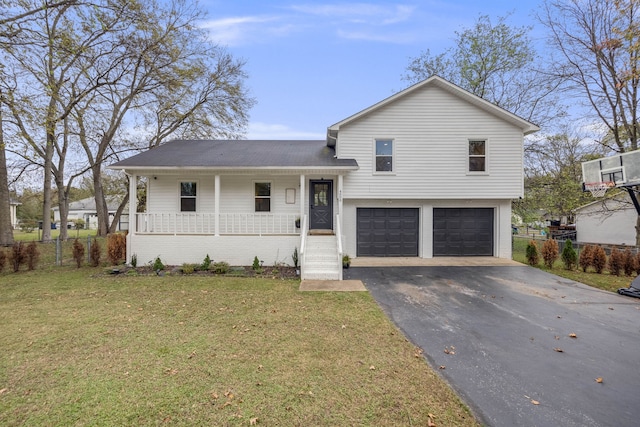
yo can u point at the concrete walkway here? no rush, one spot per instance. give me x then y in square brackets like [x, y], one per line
[333, 285]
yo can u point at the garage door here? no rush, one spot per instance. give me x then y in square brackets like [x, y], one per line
[463, 232]
[386, 232]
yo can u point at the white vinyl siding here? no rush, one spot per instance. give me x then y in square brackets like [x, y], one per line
[431, 130]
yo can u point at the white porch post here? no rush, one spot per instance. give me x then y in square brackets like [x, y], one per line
[133, 221]
[340, 182]
[216, 200]
[302, 195]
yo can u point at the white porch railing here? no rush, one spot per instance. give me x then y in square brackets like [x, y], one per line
[204, 223]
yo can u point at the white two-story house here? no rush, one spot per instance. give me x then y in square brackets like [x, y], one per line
[430, 171]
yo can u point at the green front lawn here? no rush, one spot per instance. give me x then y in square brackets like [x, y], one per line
[81, 348]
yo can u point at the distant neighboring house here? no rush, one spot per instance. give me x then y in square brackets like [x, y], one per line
[608, 221]
[85, 210]
[430, 171]
[13, 204]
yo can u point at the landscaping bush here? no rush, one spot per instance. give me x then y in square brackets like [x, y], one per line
[629, 265]
[32, 255]
[206, 263]
[134, 260]
[3, 260]
[17, 256]
[188, 268]
[616, 262]
[116, 248]
[598, 259]
[158, 265]
[221, 267]
[585, 260]
[550, 252]
[95, 253]
[569, 255]
[78, 252]
[533, 257]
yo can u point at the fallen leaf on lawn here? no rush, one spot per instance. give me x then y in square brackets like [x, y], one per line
[373, 368]
[559, 350]
[228, 395]
[448, 350]
[260, 367]
[253, 421]
[193, 353]
[442, 367]
[599, 380]
[3, 391]
[430, 423]
[344, 326]
[535, 402]
[572, 335]
[227, 403]
[214, 395]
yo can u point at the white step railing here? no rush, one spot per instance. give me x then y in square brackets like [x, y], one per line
[204, 223]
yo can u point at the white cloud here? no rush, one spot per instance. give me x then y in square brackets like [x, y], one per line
[258, 130]
[361, 13]
[242, 29]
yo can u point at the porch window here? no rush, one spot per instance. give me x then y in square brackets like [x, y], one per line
[187, 197]
[477, 156]
[262, 195]
[384, 155]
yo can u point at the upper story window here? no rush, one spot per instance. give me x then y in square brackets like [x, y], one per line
[262, 195]
[384, 155]
[187, 197]
[477, 156]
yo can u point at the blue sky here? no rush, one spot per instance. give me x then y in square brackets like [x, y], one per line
[312, 64]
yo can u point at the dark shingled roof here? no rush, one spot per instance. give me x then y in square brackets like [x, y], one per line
[237, 153]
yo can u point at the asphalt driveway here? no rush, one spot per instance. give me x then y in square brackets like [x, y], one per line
[502, 337]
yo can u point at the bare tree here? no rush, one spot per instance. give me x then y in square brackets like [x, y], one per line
[496, 62]
[6, 232]
[597, 47]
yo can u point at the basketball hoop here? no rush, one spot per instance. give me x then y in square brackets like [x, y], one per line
[598, 189]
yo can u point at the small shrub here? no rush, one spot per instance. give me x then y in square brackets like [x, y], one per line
[17, 256]
[116, 248]
[616, 262]
[598, 259]
[550, 252]
[294, 257]
[95, 253]
[206, 263]
[157, 264]
[33, 255]
[629, 264]
[188, 268]
[221, 267]
[585, 260]
[134, 260]
[532, 253]
[78, 252]
[3, 260]
[569, 255]
[256, 264]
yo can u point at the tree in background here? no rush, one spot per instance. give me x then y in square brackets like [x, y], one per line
[496, 62]
[80, 77]
[596, 45]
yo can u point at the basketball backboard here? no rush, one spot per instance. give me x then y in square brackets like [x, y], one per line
[623, 170]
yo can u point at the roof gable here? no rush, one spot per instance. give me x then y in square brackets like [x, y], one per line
[526, 126]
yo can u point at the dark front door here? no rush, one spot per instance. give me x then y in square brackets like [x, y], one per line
[321, 205]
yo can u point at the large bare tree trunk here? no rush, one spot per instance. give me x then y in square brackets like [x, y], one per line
[101, 204]
[6, 230]
[63, 206]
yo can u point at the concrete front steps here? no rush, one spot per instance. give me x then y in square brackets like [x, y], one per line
[321, 260]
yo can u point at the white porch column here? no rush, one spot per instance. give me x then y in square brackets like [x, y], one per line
[302, 195]
[133, 221]
[340, 183]
[216, 201]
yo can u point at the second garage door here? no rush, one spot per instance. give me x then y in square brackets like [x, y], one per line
[386, 232]
[463, 231]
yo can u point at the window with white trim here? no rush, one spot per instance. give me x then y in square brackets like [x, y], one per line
[188, 196]
[477, 155]
[262, 196]
[384, 155]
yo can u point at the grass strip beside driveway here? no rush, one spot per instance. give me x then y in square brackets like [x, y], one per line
[79, 349]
